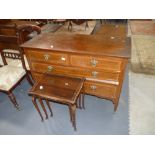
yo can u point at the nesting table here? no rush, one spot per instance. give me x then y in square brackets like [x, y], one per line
[58, 88]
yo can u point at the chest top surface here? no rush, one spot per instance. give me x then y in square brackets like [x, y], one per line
[83, 44]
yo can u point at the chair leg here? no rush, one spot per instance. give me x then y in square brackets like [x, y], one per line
[43, 107]
[29, 79]
[3, 58]
[13, 100]
[37, 108]
[49, 107]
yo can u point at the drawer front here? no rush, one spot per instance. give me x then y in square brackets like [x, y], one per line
[100, 89]
[36, 76]
[49, 57]
[92, 88]
[65, 83]
[113, 64]
[95, 74]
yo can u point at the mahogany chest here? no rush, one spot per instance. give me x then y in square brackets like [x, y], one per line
[101, 60]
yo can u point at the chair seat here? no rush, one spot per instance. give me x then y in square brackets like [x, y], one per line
[9, 76]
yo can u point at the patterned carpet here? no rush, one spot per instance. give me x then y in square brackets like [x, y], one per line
[142, 106]
[143, 54]
[143, 46]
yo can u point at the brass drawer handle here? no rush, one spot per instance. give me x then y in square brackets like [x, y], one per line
[94, 62]
[93, 87]
[50, 68]
[63, 58]
[46, 57]
[94, 74]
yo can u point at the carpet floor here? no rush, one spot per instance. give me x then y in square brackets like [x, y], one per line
[98, 118]
[142, 105]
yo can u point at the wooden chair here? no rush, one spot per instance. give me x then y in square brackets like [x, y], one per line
[9, 80]
[11, 76]
[77, 22]
[22, 34]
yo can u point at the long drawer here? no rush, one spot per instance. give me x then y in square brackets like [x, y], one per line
[88, 73]
[100, 89]
[113, 64]
[49, 57]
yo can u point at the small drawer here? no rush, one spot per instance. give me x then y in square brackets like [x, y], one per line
[65, 83]
[100, 89]
[49, 57]
[113, 64]
[103, 75]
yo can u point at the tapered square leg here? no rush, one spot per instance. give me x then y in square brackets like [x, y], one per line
[43, 107]
[49, 107]
[37, 108]
[73, 115]
[82, 101]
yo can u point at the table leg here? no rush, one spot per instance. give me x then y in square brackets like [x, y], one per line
[80, 106]
[70, 112]
[73, 115]
[77, 103]
[36, 106]
[115, 102]
[83, 105]
[49, 107]
[43, 107]
[13, 100]
[86, 25]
